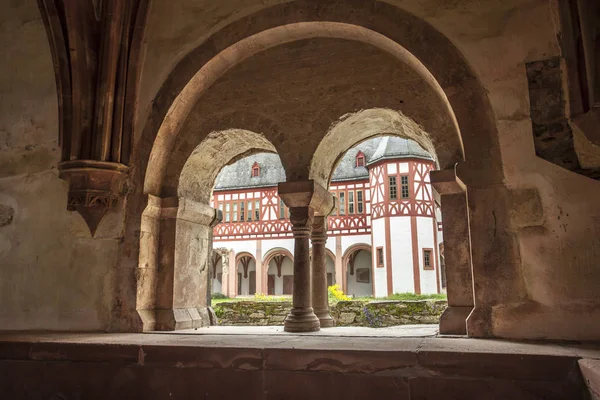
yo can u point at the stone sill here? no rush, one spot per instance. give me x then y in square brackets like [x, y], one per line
[288, 366]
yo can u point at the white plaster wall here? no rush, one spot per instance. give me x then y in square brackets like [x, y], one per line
[348, 241]
[217, 287]
[378, 230]
[426, 240]
[360, 289]
[238, 246]
[270, 244]
[330, 265]
[330, 244]
[402, 257]
[287, 268]
[246, 281]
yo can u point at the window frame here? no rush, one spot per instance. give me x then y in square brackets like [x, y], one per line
[378, 251]
[360, 201]
[360, 160]
[404, 186]
[393, 188]
[255, 171]
[428, 250]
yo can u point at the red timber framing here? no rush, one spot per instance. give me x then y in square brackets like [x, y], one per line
[264, 203]
[419, 203]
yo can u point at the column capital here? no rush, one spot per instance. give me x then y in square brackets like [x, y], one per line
[307, 194]
[319, 230]
[301, 219]
[447, 182]
[199, 213]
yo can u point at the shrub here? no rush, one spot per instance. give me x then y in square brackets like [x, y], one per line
[336, 294]
[219, 296]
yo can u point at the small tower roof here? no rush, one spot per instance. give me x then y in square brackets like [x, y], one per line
[395, 147]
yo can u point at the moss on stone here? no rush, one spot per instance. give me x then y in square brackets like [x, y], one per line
[346, 313]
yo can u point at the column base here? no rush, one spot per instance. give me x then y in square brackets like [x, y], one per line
[175, 319]
[301, 320]
[454, 320]
[325, 319]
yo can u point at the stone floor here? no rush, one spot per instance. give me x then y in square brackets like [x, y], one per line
[405, 331]
[340, 364]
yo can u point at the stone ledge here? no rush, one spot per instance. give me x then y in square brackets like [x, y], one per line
[590, 369]
[106, 366]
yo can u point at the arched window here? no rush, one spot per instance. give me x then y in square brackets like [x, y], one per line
[255, 170]
[360, 159]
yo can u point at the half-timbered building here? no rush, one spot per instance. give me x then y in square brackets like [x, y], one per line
[384, 235]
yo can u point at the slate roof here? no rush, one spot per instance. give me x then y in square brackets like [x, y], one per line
[239, 174]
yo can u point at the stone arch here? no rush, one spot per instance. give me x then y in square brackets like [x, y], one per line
[352, 129]
[440, 64]
[350, 251]
[244, 258]
[211, 155]
[274, 252]
[214, 68]
[271, 282]
[176, 240]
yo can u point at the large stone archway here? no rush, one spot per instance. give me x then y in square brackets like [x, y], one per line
[355, 128]
[176, 236]
[466, 125]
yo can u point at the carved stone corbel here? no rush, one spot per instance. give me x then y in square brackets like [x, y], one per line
[94, 188]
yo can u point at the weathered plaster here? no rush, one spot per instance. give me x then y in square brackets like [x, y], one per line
[53, 276]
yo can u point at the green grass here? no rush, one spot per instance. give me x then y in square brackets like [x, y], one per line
[253, 298]
[406, 296]
[395, 296]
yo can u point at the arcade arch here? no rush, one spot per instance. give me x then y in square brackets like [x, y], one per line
[245, 274]
[279, 267]
[464, 128]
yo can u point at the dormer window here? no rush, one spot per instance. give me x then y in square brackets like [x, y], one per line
[255, 170]
[360, 159]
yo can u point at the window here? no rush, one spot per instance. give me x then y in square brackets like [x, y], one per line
[227, 212]
[242, 215]
[360, 159]
[380, 257]
[359, 201]
[427, 259]
[281, 209]
[351, 202]
[235, 212]
[393, 188]
[404, 183]
[249, 212]
[255, 170]
[257, 210]
[342, 203]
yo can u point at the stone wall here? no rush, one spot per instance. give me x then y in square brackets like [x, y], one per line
[252, 312]
[378, 314]
[346, 313]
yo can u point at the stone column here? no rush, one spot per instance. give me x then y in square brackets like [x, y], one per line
[304, 199]
[302, 317]
[457, 251]
[320, 298]
[179, 232]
